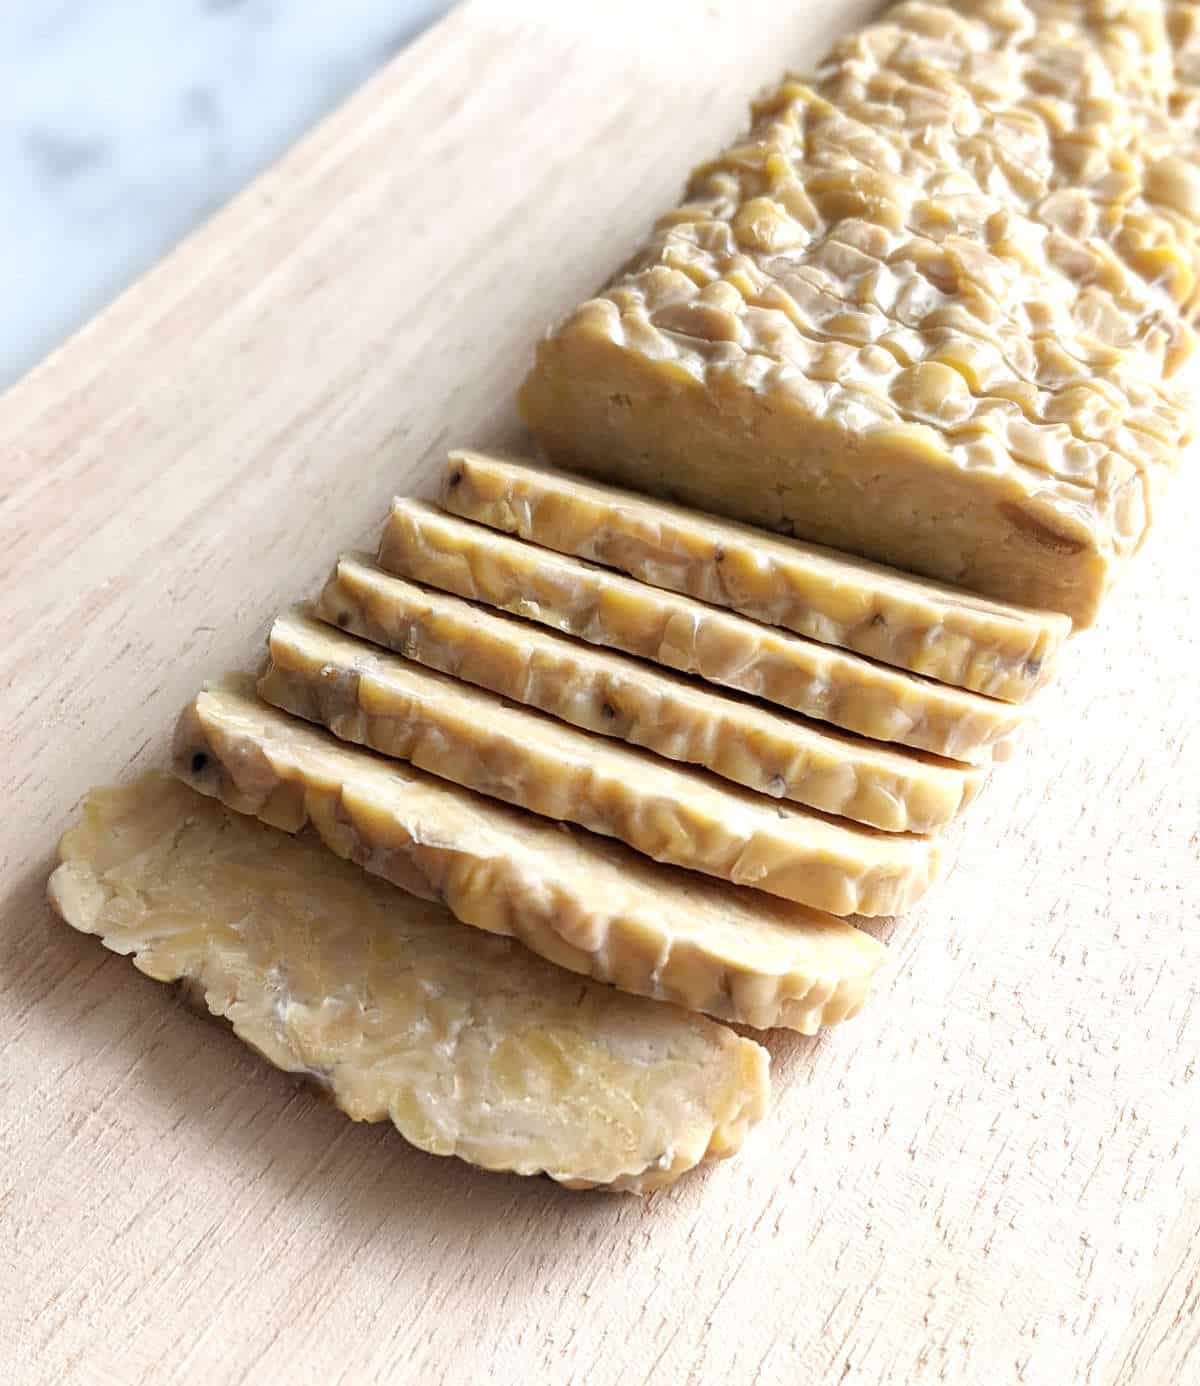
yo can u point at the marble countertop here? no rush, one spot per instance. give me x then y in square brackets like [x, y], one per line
[125, 122]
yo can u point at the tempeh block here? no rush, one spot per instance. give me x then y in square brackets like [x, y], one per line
[927, 310]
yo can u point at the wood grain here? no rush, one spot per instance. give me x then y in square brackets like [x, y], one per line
[985, 1179]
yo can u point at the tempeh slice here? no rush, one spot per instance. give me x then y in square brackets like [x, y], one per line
[912, 623]
[668, 812]
[468, 1043]
[581, 901]
[606, 608]
[776, 753]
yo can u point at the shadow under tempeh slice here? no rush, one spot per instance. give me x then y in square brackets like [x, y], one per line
[605, 608]
[668, 812]
[581, 901]
[469, 1044]
[909, 622]
[616, 695]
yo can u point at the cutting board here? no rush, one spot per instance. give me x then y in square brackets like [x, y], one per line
[987, 1178]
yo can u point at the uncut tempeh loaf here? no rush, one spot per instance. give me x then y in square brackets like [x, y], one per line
[468, 1043]
[926, 311]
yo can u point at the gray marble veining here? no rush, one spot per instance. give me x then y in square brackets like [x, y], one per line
[125, 122]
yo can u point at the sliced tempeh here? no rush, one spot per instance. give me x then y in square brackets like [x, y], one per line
[606, 608]
[469, 1044]
[668, 812]
[913, 623]
[582, 901]
[677, 717]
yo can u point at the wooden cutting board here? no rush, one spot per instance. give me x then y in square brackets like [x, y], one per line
[988, 1178]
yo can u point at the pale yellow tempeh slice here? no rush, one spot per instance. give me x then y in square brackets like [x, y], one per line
[668, 812]
[584, 902]
[615, 695]
[468, 1043]
[910, 622]
[606, 608]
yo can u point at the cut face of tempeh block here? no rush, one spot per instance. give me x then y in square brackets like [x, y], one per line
[911, 623]
[614, 695]
[606, 608]
[584, 902]
[668, 812]
[469, 1044]
[925, 310]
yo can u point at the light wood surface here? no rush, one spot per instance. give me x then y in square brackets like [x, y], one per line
[987, 1178]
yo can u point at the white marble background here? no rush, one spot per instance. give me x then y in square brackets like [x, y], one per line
[124, 122]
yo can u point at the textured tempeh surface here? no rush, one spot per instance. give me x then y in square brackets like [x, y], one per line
[580, 900]
[942, 632]
[469, 1045]
[745, 741]
[924, 309]
[606, 608]
[669, 812]
[986, 1177]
